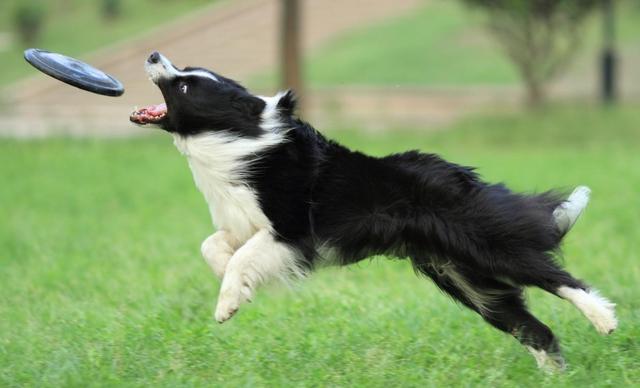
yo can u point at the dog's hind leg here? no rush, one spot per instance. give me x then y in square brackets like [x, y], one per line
[551, 278]
[503, 307]
[598, 309]
[510, 315]
[260, 259]
[217, 249]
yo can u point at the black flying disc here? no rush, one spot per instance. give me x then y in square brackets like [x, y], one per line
[74, 72]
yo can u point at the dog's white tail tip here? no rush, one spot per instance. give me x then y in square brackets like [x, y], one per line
[567, 213]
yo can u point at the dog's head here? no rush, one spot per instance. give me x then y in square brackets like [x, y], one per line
[198, 100]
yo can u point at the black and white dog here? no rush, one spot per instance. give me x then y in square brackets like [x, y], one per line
[284, 199]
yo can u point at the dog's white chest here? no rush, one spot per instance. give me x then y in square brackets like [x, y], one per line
[217, 171]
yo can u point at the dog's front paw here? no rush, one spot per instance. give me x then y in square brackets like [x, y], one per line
[232, 294]
[226, 308]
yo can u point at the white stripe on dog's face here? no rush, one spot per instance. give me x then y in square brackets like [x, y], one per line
[164, 69]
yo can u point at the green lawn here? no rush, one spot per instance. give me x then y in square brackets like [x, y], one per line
[440, 44]
[102, 280]
[74, 27]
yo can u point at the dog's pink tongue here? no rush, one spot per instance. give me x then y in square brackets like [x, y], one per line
[157, 109]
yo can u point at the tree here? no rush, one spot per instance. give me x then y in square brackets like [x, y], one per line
[28, 19]
[111, 9]
[539, 36]
[290, 46]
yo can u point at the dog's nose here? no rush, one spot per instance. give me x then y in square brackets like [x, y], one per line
[154, 57]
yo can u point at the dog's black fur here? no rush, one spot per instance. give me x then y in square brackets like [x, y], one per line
[479, 242]
[421, 207]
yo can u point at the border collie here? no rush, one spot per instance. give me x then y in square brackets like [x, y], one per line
[284, 199]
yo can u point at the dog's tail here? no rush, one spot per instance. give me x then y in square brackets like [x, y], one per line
[568, 212]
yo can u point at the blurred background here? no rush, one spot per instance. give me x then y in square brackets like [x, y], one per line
[374, 64]
[100, 222]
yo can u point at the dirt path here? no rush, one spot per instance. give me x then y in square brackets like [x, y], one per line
[236, 38]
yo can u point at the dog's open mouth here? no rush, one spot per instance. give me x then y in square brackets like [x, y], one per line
[152, 114]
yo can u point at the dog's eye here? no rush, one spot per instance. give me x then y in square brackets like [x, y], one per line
[184, 88]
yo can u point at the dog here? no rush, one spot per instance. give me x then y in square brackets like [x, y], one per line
[285, 199]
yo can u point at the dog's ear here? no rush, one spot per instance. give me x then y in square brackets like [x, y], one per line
[287, 103]
[249, 105]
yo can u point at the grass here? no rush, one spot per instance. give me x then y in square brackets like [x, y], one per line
[103, 284]
[432, 46]
[442, 43]
[75, 27]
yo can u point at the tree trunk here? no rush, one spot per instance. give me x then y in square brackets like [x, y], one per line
[290, 46]
[535, 90]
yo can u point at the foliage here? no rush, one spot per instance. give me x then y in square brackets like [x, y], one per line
[29, 19]
[111, 9]
[539, 36]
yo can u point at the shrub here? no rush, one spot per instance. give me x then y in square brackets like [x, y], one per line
[29, 19]
[111, 9]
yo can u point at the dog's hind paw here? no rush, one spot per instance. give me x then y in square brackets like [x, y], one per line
[548, 362]
[603, 314]
[598, 309]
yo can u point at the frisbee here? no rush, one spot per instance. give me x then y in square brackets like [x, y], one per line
[74, 72]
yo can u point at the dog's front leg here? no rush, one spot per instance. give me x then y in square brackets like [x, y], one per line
[217, 249]
[260, 259]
